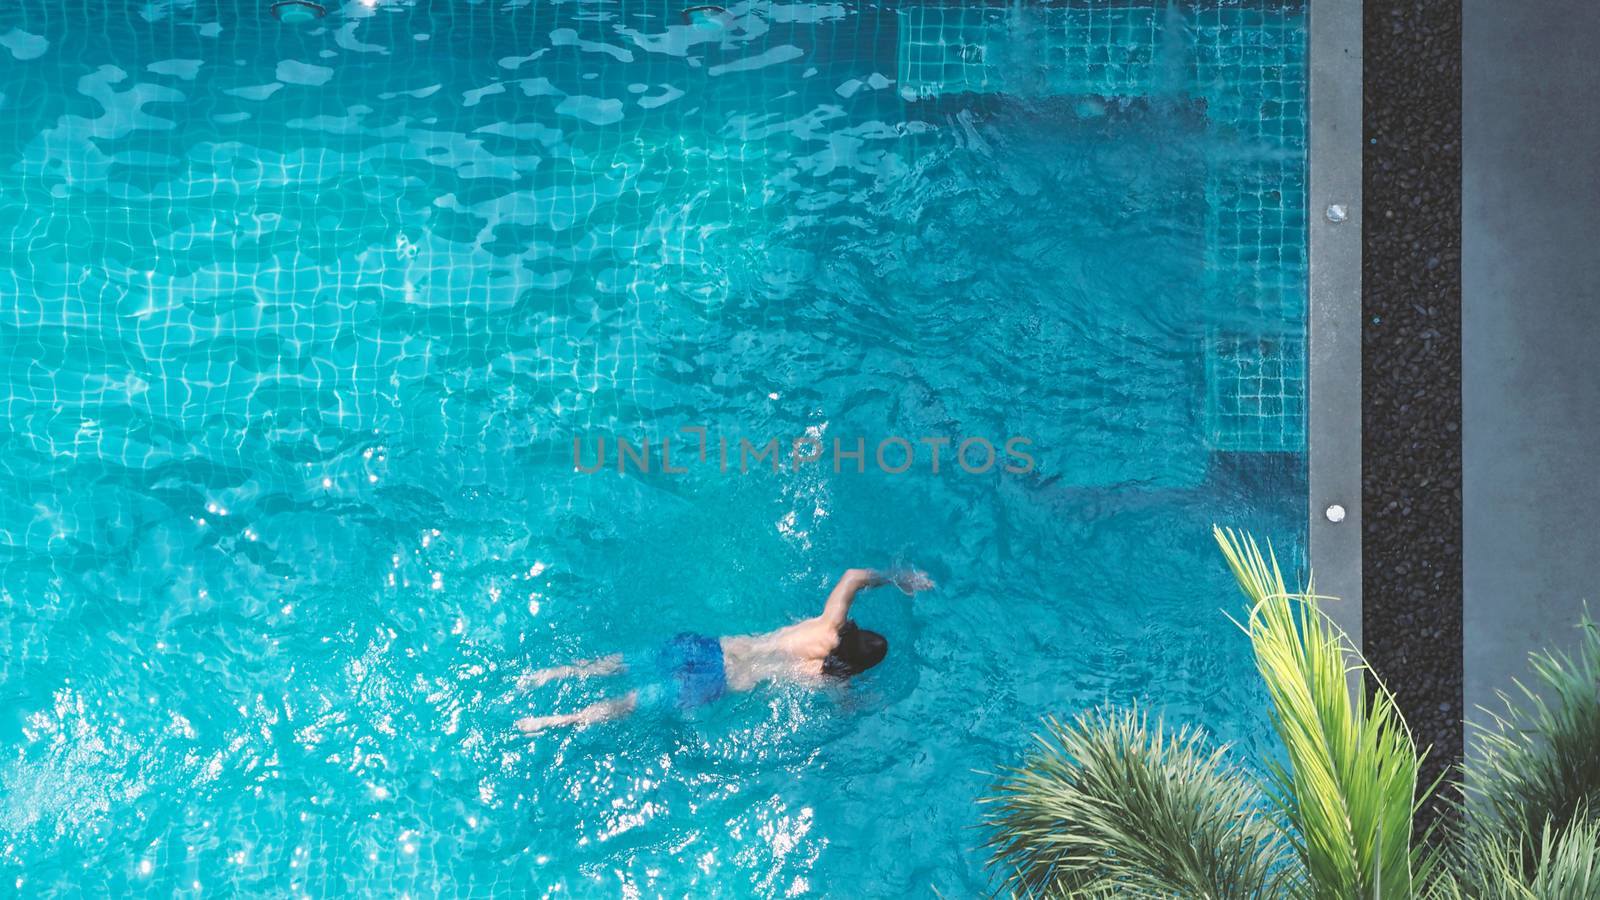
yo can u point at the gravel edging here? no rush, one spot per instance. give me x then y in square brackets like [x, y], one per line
[1411, 366]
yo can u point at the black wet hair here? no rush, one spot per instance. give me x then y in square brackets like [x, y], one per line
[858, 651]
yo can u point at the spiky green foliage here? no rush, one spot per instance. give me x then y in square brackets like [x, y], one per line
[1110, 805]
[1558, 864]
[1350, 786]
[1539, 762]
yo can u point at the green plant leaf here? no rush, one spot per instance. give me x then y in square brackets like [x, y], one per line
[1110, 805]
[1350, 787]
[1539, 762]
[1551, 863]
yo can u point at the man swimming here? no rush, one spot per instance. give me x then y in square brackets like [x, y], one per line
[695, 669]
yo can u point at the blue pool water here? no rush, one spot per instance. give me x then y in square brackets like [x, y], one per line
[299, 324]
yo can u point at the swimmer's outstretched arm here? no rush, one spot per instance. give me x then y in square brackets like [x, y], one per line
[837, 608]
[844, 593]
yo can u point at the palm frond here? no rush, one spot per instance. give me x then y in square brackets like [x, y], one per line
[1110, 805]
[1350, 786]
[1539, 762]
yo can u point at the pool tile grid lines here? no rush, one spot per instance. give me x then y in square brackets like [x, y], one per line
[1248, 69]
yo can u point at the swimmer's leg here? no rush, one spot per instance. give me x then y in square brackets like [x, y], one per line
[605, 665]
[604, 711]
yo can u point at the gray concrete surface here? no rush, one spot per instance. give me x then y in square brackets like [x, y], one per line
[1334, 427]
[1530, 331]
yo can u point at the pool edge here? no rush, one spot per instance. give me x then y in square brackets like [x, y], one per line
[1333, 429]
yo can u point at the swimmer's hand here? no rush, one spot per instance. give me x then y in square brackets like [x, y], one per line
[910, 581]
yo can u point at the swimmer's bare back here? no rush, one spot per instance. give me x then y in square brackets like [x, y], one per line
[797, 652]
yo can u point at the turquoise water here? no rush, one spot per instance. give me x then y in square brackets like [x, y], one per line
[300, 324]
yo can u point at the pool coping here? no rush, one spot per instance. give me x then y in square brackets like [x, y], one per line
[1333, 427]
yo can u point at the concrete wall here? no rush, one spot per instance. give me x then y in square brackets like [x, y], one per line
[1530, 331]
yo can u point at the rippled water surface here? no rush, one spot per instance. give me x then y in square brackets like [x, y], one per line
[298, 324]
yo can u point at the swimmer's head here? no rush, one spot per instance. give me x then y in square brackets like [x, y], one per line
[858, 651]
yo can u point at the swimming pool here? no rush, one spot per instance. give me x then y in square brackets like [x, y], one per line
[303, 321]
